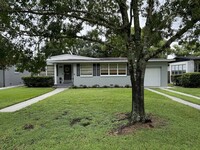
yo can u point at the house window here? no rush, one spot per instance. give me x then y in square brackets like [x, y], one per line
[86, 69]
[122, 70]
[178, 69]
[113, 69]
[104, 69]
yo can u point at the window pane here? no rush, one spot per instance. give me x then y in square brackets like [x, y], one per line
[113, 69]
[86, 69]
[122, 69]
[104, 69]
[176, 67]
[173, 68]
[184, 67]
[180, 67]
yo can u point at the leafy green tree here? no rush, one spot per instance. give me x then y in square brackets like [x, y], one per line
[84, 48]
[8, 55]
[187, 49]
[32, 64]
[96, 21]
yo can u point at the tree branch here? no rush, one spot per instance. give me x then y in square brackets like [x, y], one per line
[70, 13]
[188, 26]
[123, 10]
[136, 21]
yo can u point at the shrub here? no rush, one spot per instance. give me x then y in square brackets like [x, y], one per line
[191, 79]
[38, 81]
[127, 86]
[73, 87]
[116, 86]
[177, 79]
[95, 86]
[105, 86]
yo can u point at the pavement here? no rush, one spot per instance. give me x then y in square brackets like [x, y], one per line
[24, 104]
[177, 99]
[9, 87]
[181, 93]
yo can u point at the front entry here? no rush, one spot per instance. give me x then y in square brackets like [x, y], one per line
[67, 72]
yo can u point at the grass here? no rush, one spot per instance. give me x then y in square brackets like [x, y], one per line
[51, 123]
[183, 97]
[19, 94]
[192, 91]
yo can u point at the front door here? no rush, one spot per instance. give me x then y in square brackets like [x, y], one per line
[67, 72]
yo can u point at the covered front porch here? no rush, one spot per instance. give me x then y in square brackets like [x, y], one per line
[63, 74]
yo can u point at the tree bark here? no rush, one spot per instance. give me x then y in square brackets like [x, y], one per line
[137, 72]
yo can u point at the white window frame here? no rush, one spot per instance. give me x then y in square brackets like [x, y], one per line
[178, 69]
[89, 75]
[117, 69]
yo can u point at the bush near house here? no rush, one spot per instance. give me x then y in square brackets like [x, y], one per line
[191, 79]
[177, 79]
[46, 81]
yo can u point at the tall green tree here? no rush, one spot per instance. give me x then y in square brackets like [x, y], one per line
[99, 20]
[187, 49]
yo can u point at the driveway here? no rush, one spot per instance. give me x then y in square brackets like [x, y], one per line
[196, 106]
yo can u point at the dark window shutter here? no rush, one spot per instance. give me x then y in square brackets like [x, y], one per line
[78, 69]
[94, 69]
[98, 69]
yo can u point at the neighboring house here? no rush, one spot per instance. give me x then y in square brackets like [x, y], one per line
[11, 77]
[184, 65]
[88, 71]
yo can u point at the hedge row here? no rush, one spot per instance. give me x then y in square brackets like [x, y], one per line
[38, 81]
[187, 79]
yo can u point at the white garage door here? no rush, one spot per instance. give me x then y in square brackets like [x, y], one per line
[152, 77]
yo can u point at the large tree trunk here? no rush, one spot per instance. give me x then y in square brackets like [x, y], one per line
[137, 72]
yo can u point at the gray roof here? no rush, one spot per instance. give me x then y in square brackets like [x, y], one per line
[67, 58]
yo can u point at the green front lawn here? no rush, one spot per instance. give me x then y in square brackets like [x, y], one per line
[192, 91]
[183, 97]
[82, 119]
[19, 94]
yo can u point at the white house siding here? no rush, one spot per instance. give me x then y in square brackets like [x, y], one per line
[190, 66]
[125, 80]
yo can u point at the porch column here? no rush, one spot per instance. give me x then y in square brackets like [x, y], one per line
[55, 74]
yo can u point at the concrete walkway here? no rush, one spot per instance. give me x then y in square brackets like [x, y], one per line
[177, 99]
[196, 97]
[9, 87]
[24, 104]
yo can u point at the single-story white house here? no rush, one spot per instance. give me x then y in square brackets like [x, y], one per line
[184, 65]
[80, 71]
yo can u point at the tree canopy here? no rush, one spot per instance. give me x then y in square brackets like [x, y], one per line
[9, 54]
[187, 49]
[136, 26]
